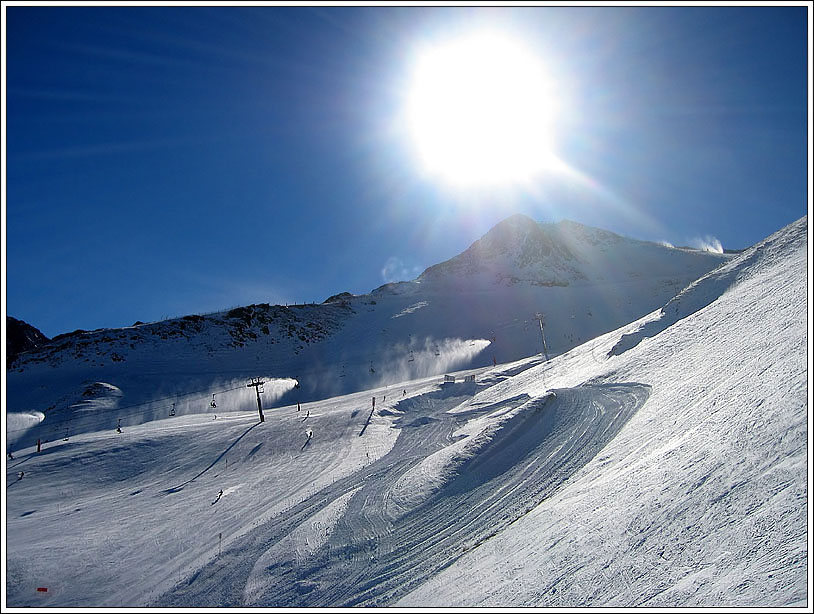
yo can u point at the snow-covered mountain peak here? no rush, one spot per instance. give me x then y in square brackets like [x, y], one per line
[517, 246]
[569, 231]
[520, 250]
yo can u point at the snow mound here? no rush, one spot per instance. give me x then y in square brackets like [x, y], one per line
[552, 436]
[439, 470]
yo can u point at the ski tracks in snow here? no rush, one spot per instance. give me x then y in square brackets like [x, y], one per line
[344, 547]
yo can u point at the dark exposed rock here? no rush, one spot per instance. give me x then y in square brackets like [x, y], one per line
[21, 337]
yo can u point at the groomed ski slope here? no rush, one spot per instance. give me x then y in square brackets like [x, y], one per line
[701, 500]
[667, 471]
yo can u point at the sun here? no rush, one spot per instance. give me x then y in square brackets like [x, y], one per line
[481, 110]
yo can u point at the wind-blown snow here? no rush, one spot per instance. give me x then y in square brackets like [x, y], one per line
[661, 464]
[708, 243]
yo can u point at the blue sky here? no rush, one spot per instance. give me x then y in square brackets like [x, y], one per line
[163, 161]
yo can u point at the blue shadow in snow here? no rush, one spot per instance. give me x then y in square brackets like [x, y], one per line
[180, 487]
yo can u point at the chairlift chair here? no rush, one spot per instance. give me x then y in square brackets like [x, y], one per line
[172, 411]
[213, 405]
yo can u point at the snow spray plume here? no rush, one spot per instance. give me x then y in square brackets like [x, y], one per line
[100, 406]
[90, 407]
[236, 395]
[708, 243]
[431, 357]
[19, 423]
[386, 364]
[229, 395]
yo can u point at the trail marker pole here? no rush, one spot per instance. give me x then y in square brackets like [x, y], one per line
[539, 317]
[258, 385]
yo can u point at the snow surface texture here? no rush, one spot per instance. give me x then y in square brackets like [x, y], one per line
[669, 470]
[701, 499]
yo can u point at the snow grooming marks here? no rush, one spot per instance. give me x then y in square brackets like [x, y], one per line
[497, 477]
[301, 543]
[417, 485]
[516, 461]
[571, 429]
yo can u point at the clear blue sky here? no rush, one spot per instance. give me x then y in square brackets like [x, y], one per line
[163, 161]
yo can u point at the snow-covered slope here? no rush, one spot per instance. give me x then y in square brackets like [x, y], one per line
[701, 500]
[452, 317]
[660, 464]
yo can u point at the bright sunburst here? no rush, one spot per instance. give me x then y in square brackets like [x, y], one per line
[482, 111]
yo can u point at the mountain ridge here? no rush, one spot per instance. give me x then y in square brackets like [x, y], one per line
[519, 249]
[21, 337]
[397, 332]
